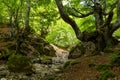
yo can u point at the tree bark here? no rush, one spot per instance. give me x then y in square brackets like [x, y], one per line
[21, 37]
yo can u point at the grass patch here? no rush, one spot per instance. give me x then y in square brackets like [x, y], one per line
[108, 50]
[103, 67]
[70, 63]
[107, 74]
[115, 59]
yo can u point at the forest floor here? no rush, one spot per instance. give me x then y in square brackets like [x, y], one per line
[86, 68]
[83, 70]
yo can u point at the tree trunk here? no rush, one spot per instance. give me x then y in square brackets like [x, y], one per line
[21, 37]
[102, 37]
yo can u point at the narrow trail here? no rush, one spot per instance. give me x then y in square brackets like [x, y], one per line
[82, 71]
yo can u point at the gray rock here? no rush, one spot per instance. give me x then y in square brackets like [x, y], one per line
[86, 48]
[4, 73]
[3, 79]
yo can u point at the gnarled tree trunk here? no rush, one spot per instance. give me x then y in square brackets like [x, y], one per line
[102, 37]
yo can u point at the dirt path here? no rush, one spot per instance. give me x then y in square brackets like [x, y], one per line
[83, 71]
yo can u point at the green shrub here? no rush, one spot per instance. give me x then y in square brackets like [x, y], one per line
[19, 63]
[107, 74]
[115, 59]
[103, 67]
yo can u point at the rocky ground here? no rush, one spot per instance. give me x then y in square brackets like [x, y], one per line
[44, 68]
[85, 69]
[41, 72]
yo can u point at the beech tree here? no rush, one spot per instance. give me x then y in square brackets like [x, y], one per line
[102, 11]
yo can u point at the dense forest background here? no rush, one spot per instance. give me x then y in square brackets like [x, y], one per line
[35, 33]
[43, 18]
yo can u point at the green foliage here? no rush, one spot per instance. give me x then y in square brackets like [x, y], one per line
[107, 74]
[115, 59]
[108, 50]
[61, 34]
[117, 33]
[70, 63]
[19, 63]
[103, 67]
[116, 51]
[86, 24]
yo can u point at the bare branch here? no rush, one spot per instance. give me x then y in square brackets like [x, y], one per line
[82, 15]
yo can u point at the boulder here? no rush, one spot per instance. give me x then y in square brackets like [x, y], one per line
[76, 51]
[89, 48]
[85, 48]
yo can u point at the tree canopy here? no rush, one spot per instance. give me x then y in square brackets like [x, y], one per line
[88, 19]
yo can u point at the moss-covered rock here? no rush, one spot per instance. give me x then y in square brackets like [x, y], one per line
[19, 63]
[38, 46]
[46, 59]
[77, 51]
[86, 48]
[4, 55]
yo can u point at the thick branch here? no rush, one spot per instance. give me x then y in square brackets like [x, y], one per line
[67, 19]
[115, 26]
[81, 14]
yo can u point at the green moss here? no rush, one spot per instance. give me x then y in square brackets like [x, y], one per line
[46, 59]
[52, 78]
[108, 50]
[70, 63]
[67, 64]
[107, 74]
[74, 62]
[103, 67]
[114, 59]
[5, 54]
[19, 63]
[116, 51]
